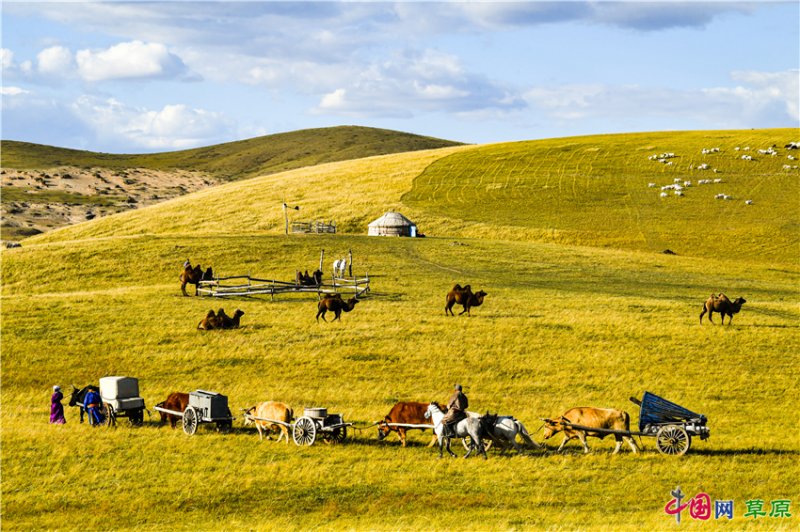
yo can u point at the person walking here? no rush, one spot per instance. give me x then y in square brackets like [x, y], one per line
[56, 408]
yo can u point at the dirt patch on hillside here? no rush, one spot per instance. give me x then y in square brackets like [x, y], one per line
[35, 201]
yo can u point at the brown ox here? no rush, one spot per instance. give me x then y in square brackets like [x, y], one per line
[335, 304]
[600, 418]
[274, 411]
[723, 305]
[464, 297]
[176, 401]
[405, 412]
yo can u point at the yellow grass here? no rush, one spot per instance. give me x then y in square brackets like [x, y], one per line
[562, 326]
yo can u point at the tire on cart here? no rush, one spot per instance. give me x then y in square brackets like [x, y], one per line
[337, 435]
[673, 440]
[110, 418]
[190, 420]
[467, 441]
[136, 417]
[304, 432]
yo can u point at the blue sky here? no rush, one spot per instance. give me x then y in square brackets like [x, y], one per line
[154, 76]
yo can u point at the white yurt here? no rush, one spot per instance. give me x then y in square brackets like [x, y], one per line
[393, 224]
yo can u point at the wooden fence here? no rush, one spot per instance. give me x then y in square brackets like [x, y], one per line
[246, 285]
[313, 227]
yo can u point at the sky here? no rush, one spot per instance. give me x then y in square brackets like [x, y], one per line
[134, 77]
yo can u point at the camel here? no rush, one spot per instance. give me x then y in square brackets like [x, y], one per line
[226, 322]
[194, 276]
[336, 304]
[723, 305]
[464, 297]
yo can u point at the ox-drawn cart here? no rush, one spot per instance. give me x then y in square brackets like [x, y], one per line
[120, 397]
[672, 425]
[203, 407]
[314, 421]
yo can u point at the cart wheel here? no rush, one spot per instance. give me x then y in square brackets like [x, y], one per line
[136, 418]
[304, 432]
[190, 421]
[673, 440]
[108, 413]
[467, 441]
[335, 436]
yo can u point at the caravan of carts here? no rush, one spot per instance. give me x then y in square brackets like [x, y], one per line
[672, 425]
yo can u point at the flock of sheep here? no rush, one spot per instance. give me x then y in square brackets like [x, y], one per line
[679, 185]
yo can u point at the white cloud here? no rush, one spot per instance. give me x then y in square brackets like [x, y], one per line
[55, 61]
[13, 91]
[172, 127]
[762, 99]
[417, 82]
[135, 59]
[6, 58]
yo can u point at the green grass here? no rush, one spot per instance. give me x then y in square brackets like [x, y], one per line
[563, 325]
[234, 160]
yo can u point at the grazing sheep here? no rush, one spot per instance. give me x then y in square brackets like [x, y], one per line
[678, 193]
[748, 202]
[664, 195]
[717, 180]
[651, 185]
[703, 166]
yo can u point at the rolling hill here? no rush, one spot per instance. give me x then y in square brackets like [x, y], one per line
[591, 191]
[583, 309]
[45, 187]
[234, 160]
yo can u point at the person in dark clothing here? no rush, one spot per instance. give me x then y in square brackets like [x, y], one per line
[456, 411]
[93, 405]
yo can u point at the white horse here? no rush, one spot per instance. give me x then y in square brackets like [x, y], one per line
[466, 427]
[504, 430]
[339, 268]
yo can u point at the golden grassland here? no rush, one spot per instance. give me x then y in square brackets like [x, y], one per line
[563, 325]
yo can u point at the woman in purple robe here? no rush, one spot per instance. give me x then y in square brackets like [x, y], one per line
[56, 408]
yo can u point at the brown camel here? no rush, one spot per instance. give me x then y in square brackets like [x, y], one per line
[336, 304]
[723, 305]
[194, 276]
[464, 297]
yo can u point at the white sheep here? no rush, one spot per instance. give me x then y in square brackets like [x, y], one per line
[687, 183]
[748, 202]
[678, 193]
[664, 194]
[718, 180]
[651, 185]
[677, 180]
[726, 197]
[703, 166]
[719, 196]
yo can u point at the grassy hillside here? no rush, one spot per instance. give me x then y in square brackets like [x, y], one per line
[581, 191]
[582, 310]
[561, 327]
[234, 160]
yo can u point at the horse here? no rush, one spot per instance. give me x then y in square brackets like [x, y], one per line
[77, 397]
[504, 430]
[466, 427]
[194, 276]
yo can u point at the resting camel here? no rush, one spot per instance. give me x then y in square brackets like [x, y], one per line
[303, 279]
[194, 276]
[723, 305]
[336, 304]
[464, 297]
[220, 320]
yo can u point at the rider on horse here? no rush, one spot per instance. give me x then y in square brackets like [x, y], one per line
[456, 411]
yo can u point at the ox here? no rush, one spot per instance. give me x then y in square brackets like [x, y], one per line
[176, 401]
[404, 412]
[600, 418]
[274, 411]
